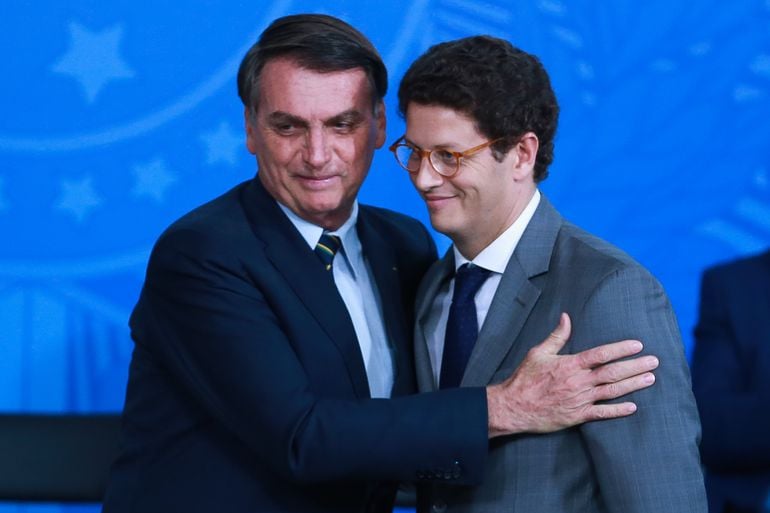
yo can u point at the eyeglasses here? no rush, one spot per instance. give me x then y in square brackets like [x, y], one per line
[445, 162]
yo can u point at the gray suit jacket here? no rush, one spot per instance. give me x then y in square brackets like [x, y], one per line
[647, 462]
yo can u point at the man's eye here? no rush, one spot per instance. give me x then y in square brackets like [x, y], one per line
[344, 126]
[285, 128]
[444, 156]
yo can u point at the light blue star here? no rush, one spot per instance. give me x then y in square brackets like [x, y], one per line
[152, 180]
[93, 59]
[222, 144]
[78, 198]
[4, 205]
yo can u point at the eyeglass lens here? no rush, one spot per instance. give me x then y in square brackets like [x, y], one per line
[443, 162]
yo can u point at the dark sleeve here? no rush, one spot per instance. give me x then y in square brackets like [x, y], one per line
[728, 378]
[647, 462]
[221, 343]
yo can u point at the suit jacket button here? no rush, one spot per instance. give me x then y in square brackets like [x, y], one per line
[439, 507]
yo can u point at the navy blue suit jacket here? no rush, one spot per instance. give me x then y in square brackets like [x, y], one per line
[731, 380]
[247, 390]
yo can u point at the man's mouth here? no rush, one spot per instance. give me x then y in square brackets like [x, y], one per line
[318, 182]
[437, 200]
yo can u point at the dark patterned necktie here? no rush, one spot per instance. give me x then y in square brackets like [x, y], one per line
[326, 248]
[462, 325]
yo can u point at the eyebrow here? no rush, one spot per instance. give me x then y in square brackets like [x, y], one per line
[280, 117]
[351, 115]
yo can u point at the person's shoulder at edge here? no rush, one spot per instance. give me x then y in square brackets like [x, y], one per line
[749, 264]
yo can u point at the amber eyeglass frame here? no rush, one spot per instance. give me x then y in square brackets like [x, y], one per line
[458, 155]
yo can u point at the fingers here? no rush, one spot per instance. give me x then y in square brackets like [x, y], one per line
[609, 411]
[623, 387]
[617, 371]
[558, 337]
[599, 355]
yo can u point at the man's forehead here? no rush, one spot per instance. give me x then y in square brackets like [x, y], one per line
[287, 87]
[441, 124]
[285, 81]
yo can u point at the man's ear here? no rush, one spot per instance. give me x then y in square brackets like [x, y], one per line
[526, 153]
[249, 127]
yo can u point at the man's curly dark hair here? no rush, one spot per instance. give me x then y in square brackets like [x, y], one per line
[505, 90]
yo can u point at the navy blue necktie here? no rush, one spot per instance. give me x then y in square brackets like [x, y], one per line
[462, 327]
[326, 248]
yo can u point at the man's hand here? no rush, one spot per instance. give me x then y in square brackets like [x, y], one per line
[549, 392]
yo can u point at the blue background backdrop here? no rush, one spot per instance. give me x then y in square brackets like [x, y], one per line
[118, 117]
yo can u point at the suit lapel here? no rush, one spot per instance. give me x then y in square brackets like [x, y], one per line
[381, 257]
[430, 287]
[515, 297]
[298, 265]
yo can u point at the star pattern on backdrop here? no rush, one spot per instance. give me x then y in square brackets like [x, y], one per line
[222, 144]
[78, 198]
[93, 59]
[152, 179]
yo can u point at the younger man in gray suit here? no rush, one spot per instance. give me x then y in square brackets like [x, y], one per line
[481, 118]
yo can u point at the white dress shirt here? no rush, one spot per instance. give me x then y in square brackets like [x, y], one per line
[494, 258]
[358, 290]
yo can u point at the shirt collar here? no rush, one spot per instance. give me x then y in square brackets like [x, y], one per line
[495, 256]
[351, 245]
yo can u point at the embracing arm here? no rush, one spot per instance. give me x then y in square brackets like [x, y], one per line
[211, 324]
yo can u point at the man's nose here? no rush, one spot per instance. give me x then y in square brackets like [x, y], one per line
[317, 151]
[426, 176]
